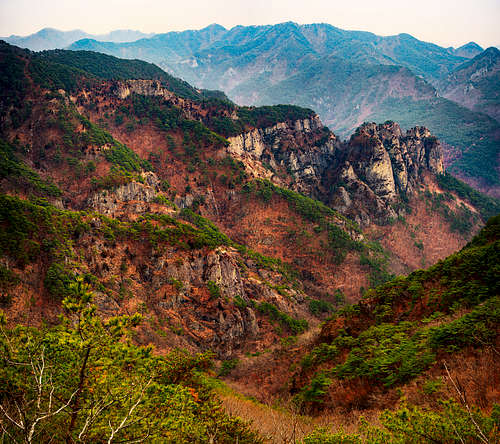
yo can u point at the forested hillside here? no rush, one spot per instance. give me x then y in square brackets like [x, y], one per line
[165, 252]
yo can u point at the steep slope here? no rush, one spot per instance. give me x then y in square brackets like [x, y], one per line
[439, 312]
[148, 255]
[475, 83]
[160, 167]
[408, 346]
[471, 139]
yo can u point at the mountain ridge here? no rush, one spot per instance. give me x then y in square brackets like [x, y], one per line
[474, 83]
[234, 233]
[307, 65]
[51, 38]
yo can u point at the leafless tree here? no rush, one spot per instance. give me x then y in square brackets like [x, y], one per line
[463, 400]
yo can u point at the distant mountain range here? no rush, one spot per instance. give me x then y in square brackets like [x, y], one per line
[186, 51]
[475, 84]
[348, 77]
[49, 38]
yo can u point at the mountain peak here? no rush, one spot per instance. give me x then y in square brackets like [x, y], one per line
[469, 50]
[492, 50]
[214, 27]
[470, 45]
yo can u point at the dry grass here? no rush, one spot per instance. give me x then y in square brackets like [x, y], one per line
[476, 372]
[283, 425]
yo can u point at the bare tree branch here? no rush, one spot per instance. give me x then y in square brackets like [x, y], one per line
[18, 424]
[463, 399]
[48, 415]
[129, 413]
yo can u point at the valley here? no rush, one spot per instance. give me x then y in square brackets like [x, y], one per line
[165, 248]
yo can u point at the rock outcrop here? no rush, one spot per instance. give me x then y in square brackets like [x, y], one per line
[143, 87]
[303, 148]
[366, 178]
[379, 168]
[174, 286]
[132, 193]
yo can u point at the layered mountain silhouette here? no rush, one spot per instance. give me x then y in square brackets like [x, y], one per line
[347, 76]
[50, 38]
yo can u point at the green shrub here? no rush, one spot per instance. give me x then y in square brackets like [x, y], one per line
[318, 306]
[213, 289]
[240, 302]
[297, 326]
[58, 280]
[7, 278]
[315, 392]
[451, 424]
[488, 206]
[228, 366]
[16, 171]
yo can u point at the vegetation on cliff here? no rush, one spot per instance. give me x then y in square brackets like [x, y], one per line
[386, 338]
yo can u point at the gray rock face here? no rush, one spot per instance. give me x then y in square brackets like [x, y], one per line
[230, 326]
[380, 166]
[143, 87]
[290, 146]
[111, 201]
[364, 178]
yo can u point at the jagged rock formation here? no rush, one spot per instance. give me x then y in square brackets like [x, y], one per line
[380, 167]
[365, 178]
[290, 146]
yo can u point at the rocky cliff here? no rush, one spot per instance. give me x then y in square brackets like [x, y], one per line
[303, 149]
[129, 197]
[366, 177]
[380, 168]
[143, 87]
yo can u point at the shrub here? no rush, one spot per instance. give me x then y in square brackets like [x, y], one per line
[297, 326]
[318, 306]
[58, 280]
[228, 366]
[213, 289]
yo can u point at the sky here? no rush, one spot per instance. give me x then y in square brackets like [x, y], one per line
[445, 22]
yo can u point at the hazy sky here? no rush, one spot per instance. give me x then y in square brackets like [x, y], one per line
[445, 22]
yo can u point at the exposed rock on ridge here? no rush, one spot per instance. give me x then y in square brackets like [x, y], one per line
[112, 201]
[303, 148]
[380, 168]
[365, 178]
[143, 87]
